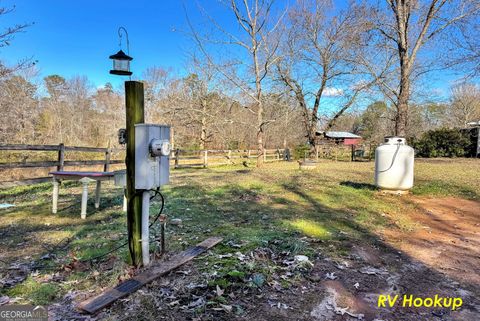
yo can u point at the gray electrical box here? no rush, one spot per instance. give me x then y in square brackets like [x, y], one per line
[152, 153]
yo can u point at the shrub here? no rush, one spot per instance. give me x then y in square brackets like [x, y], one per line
[301, 150]
[442, 142]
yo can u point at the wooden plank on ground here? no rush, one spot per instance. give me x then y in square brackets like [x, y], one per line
[131, 285]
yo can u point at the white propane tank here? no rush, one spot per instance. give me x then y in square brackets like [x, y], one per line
[394, 164]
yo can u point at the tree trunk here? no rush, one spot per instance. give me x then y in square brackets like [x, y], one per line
[203, 134]
[260, 135]
[258, 88]
[312, 130]
[402, 106]
[312, 134]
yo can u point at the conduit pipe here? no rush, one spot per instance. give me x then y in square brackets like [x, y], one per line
[145, 224]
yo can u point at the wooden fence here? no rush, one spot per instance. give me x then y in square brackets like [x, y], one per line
[60, 163]
[179, 159]
[340, 152]
[216, 157]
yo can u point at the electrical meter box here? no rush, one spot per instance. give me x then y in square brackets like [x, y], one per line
[152, 153]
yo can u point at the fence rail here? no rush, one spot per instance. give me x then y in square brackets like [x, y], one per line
[215, 157]
[180, 158]
[360, 152]
[60, 163]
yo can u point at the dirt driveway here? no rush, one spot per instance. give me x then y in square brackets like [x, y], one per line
[448, 239]
[442, 258]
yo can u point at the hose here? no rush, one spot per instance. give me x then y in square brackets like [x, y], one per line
[393, 160]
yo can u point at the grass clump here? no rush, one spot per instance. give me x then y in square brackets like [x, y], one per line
[34, 292]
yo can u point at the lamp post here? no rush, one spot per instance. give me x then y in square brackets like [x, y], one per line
[134, 104]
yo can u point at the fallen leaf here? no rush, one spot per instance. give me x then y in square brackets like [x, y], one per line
[222, 256]
[226, 308]
[173, 303]
[197, 303]
[219, 291]
[240, 256]
[371, 270]
[341, 311]
[232, 244]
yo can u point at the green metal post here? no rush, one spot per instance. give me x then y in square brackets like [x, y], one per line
[134, 102]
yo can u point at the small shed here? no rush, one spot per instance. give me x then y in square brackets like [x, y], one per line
[344, 138]
[335, 141]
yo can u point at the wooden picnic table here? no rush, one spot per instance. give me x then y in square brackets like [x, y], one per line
[85, 178]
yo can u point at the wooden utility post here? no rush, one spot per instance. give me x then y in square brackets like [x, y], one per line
[134, 103]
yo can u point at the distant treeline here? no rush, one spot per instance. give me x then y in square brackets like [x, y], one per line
[72, 112]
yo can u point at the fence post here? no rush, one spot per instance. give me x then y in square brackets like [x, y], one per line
[205, 158]
[177, 156]
[316, 152]
[229, 156]
[248, 154]
[61, 157]
[172, 138]
[265, 155]
[106, 166]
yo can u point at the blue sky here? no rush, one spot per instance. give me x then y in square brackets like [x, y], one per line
[76, 37]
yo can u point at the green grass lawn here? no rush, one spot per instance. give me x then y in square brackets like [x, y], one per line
[278, 205]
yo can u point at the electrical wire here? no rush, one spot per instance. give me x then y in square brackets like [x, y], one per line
[104, 254]
[95, 258]
[138, 193]
[157, 192]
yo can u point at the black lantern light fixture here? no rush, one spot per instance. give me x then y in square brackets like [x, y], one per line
[121, 61]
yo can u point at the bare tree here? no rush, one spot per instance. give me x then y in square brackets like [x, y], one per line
[19, 109]
[6, 36]
[255, 20]
[466, 47]
[202, 109]
[465, 104]
[109, 115]
[321, 63]
[69, 111]
[405, 27]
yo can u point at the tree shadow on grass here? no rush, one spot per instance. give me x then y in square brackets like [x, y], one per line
[357, 185]
[253, 218]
